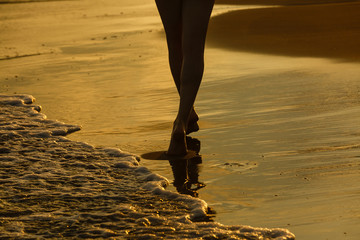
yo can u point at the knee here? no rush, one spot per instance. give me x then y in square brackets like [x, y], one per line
[174, 43]
[193, 57]
[193, 50]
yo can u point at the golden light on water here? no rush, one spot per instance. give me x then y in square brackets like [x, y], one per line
[279, 103]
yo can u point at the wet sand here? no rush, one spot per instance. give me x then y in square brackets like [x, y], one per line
[52, 187]
[279, 149]
[279, 2]
[289, 120]
[322, 30]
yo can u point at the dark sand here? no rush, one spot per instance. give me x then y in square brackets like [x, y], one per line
[324, 30]
[279, 2]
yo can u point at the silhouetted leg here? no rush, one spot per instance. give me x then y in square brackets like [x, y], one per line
[195, 15]
[171, 16]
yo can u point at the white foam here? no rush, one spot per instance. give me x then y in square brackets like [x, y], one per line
[16, 99]
[93, 177]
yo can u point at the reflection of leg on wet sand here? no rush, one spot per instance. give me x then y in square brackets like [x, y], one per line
[186, 176]
[186, 171]
[185, 168]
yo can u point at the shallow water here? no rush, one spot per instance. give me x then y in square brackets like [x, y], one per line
[52, 187]
[279, 135]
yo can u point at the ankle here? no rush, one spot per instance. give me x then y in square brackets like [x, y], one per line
[179, 124]
[179, 130]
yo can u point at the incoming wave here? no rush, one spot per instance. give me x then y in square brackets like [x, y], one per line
[52, 187]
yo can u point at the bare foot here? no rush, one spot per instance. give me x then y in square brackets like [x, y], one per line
[177, 145]
[193, 126]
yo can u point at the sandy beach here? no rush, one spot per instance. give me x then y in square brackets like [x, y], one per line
[319, 30]
[279, 103]
[52, 187]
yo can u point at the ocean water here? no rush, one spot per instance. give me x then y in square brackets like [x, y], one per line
[52, 187]
[279, 138]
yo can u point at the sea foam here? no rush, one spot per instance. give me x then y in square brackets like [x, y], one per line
[53, 187]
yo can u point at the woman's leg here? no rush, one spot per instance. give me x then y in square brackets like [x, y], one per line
[195, 19]
[171, 15]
